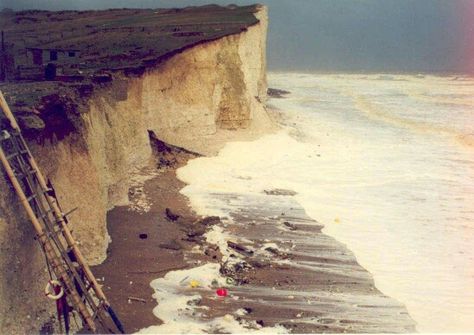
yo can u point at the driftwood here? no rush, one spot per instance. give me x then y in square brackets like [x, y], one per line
[290, 225]
[159, 271]
[240, 248]
[137, 299]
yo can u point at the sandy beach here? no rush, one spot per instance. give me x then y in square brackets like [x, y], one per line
[280, 270]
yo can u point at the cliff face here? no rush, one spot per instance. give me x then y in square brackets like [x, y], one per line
[213, 87]
[197, 100]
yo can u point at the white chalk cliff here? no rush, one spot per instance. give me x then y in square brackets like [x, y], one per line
[198, 99]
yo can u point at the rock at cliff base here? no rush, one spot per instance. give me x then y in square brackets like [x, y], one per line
[171, 216]
[277, 93]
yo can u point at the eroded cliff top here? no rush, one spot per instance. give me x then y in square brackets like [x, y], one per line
[59, 58]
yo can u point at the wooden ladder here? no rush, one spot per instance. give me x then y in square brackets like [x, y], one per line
[64, 258]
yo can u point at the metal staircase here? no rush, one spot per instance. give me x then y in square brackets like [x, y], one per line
[71, 278]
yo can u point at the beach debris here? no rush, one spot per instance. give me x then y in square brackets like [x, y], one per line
[337, 220]
[143, 236]
[272, 250]
[240, 248]
[237, 271]
[260, 323]
[290, 225]
[171, 245]
[212, 251]
[181, 314]
[137, 299]
[170, 215]
[196, 232]
[209, 221]
[235, 268]
[241, 312]
[182, 280]
[248, 310]
[276, 252]
[214, 283]
[258, 264]
[140, 202]
[163, 270]
[230, 281]
[194, 284]
[221, 292]
[280, 191]
[194, 302]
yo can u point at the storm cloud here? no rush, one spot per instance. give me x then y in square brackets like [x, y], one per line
[342, 35]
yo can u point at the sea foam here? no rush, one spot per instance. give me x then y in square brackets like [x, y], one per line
[377, 160]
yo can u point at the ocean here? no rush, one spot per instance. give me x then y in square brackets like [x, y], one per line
[385, 163]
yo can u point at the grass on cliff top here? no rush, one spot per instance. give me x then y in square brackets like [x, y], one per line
[120, 38]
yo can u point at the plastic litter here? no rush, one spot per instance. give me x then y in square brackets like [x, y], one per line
[221, 292]
[194, 284]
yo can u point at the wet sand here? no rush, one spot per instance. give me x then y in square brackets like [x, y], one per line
[307, 281]
[310, 283]
[133, 261]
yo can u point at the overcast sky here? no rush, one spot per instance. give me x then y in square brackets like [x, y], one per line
[343, 35]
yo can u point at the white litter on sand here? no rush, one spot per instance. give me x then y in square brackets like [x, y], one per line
[179, 296]
[139, 201]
